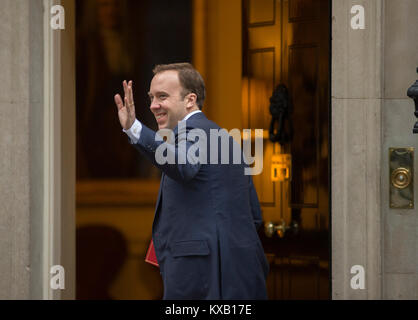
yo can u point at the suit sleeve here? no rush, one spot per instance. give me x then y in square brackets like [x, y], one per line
[148, 145]
[255, 205]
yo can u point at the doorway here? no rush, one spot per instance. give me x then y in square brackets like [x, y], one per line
[116, 187]
[283, 42]
[286, 89]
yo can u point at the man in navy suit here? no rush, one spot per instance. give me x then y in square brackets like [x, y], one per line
[207, 214]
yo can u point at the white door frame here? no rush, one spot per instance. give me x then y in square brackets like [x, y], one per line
[59, 146]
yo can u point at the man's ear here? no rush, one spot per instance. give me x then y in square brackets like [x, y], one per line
[191, 100]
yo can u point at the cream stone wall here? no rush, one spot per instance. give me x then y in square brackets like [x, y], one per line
[371, 72]
[21, 154]
[356, 105]
[399, 228]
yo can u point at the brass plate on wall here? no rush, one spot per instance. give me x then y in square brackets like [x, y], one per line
[401, 178]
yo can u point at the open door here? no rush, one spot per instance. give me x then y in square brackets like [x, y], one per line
[286, 52]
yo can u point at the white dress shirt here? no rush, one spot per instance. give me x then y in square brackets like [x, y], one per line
[134, 132]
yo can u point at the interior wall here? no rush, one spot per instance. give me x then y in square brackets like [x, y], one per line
[136, 279]
[125, 203]
[130, 212]
[217, 55]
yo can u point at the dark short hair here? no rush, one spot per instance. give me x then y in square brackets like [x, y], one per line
[190, 79]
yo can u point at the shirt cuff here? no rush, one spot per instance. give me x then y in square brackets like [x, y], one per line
[134, 132]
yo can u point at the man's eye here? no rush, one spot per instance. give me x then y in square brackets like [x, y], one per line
[163, 96]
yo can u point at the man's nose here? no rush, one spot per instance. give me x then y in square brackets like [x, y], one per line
[154, 106]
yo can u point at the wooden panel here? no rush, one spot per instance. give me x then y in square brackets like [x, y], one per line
[260, 88]
[135, 279]
[266, 189]
[117, 192]
[297, 277]
[303, 64]
[304, 277]
[293, 51]
[261, 84]
[261, 12]
[300, 10]
[261, 57]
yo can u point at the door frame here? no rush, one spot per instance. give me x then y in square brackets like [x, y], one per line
[58, 243]
[347, 249]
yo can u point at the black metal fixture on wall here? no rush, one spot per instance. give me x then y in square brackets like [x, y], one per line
[413, 94]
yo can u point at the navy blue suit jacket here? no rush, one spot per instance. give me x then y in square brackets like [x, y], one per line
[205, 225]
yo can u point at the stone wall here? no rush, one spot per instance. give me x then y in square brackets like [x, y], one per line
[356, 148]
[21, 154]
[372, 69]
[399, 231]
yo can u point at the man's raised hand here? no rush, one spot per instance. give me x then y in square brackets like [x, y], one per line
[126, 108]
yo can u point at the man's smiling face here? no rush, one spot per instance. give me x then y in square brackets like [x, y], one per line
[167, 103]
